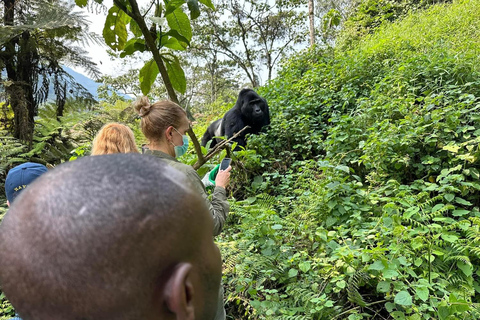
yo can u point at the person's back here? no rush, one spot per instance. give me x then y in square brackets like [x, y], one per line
[110, 237]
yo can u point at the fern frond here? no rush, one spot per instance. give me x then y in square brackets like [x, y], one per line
[354, 282]
[463, 259]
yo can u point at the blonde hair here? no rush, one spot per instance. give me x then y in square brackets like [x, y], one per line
[157, 117]
[114, 138]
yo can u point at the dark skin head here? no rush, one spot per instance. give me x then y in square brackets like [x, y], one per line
[110, 237]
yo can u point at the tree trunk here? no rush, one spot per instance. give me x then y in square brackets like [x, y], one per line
[19, 90]
[23, 126]
[312, 24]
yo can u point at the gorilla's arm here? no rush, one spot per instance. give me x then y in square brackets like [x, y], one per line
[210, 133]
[232, 123]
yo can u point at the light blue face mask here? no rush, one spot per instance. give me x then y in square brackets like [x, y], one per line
[181, 150]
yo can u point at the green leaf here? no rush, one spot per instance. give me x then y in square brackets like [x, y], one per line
[410, 212]
[135, 29]
[277, 227]
[462, 201]
[147, 76]
[452, 148]
[443, 312]
[178, 20]
[422, 293]
[377, 265]
[194, 9]
[81, 3]
[403, 298]
[133, 45]
[343, 168]
[292, 273]
[389, 273]
[173, 5]
[466, 268]
[176, 74]
[208, 3]
[178, 36]
[474, 173]
[449, 237]
[460, 213]
[418, 262]
[449, 197]
[174, 44]
[390, 306]
[115, 29]
[251, 200]
[304, 266]
[383, 286]
[341, 284]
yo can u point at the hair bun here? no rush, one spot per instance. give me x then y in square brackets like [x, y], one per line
[142, 106]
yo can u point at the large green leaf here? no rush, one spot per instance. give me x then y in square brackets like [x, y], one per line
[422, 293]
[172, 43]
[133, 45]
[175, 73]
[147, 76]
[115, 29]
[135, 29]
[466, 268]
[403, 298]
[178, 36]
[208, 3]
[173, 5]
[377, 265]
[178, 20]
[194, 9]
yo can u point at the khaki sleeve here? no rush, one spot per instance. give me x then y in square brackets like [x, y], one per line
[218, 207]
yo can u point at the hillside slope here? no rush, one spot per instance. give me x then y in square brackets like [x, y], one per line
[362, 199]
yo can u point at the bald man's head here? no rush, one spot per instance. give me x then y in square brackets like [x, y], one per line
[110, 237]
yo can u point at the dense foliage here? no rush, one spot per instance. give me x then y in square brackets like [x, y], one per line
[370, 181]
[361, 201]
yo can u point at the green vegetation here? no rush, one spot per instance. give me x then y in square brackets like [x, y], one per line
[362, 199]
[370, 181]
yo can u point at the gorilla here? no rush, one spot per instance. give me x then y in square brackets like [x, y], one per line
[249, 110]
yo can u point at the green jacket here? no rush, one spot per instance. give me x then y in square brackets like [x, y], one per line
[219, 206]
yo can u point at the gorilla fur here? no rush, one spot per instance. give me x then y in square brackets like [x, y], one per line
[249, 110]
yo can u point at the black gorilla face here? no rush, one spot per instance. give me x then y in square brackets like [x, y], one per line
[253, 107]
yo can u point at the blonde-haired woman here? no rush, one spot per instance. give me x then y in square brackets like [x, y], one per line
[114, 138]
[165, 124]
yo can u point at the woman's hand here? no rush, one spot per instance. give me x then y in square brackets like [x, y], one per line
[223, 177]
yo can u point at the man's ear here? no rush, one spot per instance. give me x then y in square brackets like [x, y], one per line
[179, 293]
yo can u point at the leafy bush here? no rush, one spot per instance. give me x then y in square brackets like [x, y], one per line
[371, 167]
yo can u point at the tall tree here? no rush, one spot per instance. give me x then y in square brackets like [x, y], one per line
[256, 34]
[211, 78]
[36, 38]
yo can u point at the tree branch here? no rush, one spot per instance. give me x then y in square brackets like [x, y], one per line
[150, 42]
[219, 147]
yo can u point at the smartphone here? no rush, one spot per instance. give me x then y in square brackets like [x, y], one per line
[225, 163]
